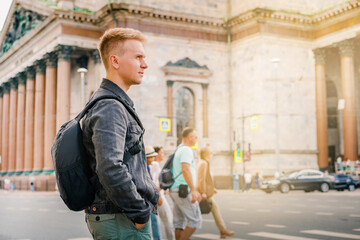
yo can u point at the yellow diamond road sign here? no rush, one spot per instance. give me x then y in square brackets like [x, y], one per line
[165, 124]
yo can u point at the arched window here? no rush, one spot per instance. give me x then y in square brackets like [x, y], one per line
[185, 111]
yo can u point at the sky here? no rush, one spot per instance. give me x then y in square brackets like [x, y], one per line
[4, 8]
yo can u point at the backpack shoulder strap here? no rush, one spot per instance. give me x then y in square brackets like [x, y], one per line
[90, 104]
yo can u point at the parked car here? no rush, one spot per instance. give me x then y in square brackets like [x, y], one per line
[343, 182]
[307, 180]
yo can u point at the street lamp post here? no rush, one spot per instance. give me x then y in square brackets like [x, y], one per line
[276, 61]
[82, 72]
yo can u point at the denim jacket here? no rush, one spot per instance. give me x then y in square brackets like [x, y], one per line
[123, 184]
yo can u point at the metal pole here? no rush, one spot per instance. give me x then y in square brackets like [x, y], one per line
[243, 149]
[277, 146]
[277, 151]
[82, 72]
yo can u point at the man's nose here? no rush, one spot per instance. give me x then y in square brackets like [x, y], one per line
[143, 64]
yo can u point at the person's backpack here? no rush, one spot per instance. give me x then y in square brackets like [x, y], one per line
[75, 180]
[166, 179]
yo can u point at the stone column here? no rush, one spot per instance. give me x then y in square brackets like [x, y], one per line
[5, 127]
[170, 104]
[348, 94]
[12, 125]
[63, 85]
[205, 109]
[321, 109]
[50, 109]
[29, 120]
[39, 116]
[20, 124]
[1, 118]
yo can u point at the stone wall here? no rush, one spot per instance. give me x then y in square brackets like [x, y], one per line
[254, 79]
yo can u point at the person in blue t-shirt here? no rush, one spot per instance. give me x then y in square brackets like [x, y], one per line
[187, 215]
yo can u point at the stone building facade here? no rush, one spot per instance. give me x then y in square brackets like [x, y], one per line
[220, 66]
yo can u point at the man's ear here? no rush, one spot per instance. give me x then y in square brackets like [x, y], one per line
[114, 61]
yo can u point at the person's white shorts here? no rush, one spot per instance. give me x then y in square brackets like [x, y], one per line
[185, 211]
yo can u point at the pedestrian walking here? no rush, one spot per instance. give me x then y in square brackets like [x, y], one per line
[257, 180]
[164, 210]
[187, 216]
[248, 178]
[113, 139]
[236, 181]
[206, 188]
[150, 157]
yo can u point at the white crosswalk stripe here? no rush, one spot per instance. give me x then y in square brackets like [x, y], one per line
[358, 229]
[240, 223]
[354, 215]
[293, 212]
[274, 226]
[212, 236]
[332, 234]
[279, 236]
[324, 213]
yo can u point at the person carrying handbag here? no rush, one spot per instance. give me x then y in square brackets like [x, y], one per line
[206, 187]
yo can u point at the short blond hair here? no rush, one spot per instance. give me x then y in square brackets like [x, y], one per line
[205, 151]
[115, 36]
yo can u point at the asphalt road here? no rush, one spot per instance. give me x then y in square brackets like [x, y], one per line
[252, 215]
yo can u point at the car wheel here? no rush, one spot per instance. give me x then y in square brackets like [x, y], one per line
[284, 188]
[324, 187]
[351, 187]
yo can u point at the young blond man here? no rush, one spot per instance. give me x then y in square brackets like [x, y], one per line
[125, 195]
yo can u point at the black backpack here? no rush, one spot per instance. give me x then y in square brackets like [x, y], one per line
[75, 180]
[166, 179]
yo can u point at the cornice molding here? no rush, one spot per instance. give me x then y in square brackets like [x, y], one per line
[293, 17]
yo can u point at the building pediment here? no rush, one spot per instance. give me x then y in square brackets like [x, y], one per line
[20, 21]
[186, 70]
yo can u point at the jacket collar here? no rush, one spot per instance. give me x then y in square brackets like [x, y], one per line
[112, 87]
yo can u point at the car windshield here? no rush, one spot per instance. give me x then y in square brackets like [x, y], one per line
[291, 174]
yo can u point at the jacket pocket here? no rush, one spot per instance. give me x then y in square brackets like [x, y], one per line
[133, 138]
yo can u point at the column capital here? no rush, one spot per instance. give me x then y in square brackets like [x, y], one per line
[64, 51]
[204, 85]
[95, 55]
[51, 59]
[1, 91]
[40, 66]
[169, 83]
[30, 72]
[14, 82]
[6, 87]
[319, 55]
[346, 48]
[21, 77]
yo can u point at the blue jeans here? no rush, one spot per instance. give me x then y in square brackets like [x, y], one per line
[115, 227]
[155, 227]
